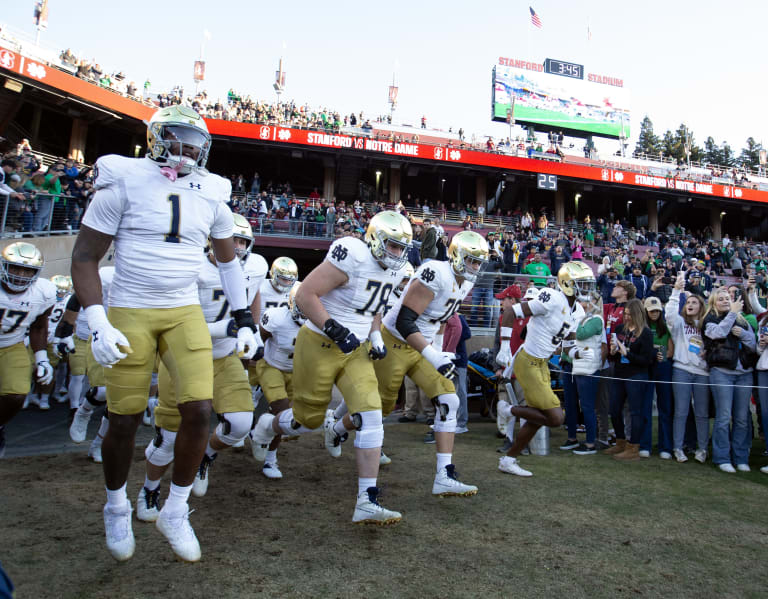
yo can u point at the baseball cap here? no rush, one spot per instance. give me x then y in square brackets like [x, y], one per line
[511, 291]
[652, 303]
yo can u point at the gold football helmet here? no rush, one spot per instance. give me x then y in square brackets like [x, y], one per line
[178, 137]
[296, 312]
[575, 278]
[283, 274]
[242, 230]
[63, 284]
[407, 276]
[467, 253]
[20, 265]
[386, 228]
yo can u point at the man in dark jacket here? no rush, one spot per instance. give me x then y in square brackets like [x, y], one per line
[429, 241]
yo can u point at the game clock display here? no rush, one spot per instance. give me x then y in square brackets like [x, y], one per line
[566, 69]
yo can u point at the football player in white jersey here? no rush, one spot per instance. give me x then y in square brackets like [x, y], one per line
[343, 299]
[413, 336]
[41, 394]
[25, 303]
[279, 327]
[551, 321]
[160, 212]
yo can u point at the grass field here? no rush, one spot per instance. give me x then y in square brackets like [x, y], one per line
[580, 527]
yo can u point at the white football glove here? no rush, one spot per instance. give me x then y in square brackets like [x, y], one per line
[441, 360]
[43, 370]
[105, 337]
[504, 357]
[378, 350]
[247, 343]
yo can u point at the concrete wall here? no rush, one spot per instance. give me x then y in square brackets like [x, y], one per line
[57, 252]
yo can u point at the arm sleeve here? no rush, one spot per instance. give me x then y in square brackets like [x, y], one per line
[589, 329]
[233, 283]
[105, 211]
[720, 330]
[671, 310]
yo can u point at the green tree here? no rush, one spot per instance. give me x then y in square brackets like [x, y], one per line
[712, 152]
[647, 142]
[684, 140]
[669, 145]
[727, 155]
[750, 155]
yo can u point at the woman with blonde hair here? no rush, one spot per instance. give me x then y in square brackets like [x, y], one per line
[690, 373]
[731, 353]
[632, 351]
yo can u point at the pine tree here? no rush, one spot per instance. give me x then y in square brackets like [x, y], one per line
[712, 153]
[647, 142]
[750, 155]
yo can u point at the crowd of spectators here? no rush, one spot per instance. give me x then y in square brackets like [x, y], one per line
[42, 198]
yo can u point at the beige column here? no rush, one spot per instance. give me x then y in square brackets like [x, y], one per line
[77, 140]
[560, 206]
[394, 185]
[329, 182]
[716, 222]
[653, 215]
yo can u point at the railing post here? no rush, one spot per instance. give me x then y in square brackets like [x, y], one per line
[50, 214]
[5, 215]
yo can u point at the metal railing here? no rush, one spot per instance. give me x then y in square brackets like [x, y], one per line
[40, 214]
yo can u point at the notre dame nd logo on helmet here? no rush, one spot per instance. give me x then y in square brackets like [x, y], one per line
[339, 253]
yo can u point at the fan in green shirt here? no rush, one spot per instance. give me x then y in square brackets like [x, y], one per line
[538, 268]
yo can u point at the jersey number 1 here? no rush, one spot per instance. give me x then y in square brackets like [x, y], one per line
[173, 234]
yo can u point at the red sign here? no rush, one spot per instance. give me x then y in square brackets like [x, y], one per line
[199, 74]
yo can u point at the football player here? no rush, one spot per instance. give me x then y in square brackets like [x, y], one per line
[40, 395]
[231, 392]
[160, 211]
[279, 327]
[413, 335]
[551, 321]
[343, 299]
[25, 303]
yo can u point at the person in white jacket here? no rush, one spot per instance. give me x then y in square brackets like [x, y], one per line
[690, 374]
[762, 371]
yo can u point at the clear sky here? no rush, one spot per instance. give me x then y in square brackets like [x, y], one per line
[701, 63]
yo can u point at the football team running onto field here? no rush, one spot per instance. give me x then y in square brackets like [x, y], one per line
[188, 313]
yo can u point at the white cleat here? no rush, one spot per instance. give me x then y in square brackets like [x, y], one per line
[332, 439]
[180, 535]
[148, 505]
[502, 415]
[446, 484]
[117, 525]
[43, 404]
[261, 436]
[94, 452]
[200, 484]
[271, 471]
[384, 460]
[510, 466]
[61, 395]
[369, 511]
[79, 427]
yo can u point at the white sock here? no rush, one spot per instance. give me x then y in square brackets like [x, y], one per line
[339, 428]
[340, 410]
[511, 429]
[151, 485]
[443, 459]
[364, 483]
[271, 457]
[45, 396]
[177, 499]
[117, 499]
[103, 427]
[74, 389]
[210, 451]
[97, 442]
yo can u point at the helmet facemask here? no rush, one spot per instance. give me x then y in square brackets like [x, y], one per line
[380, 250]
[282, 283]
[468, 267]
[242, 252]
[180, 147]
[18, 282]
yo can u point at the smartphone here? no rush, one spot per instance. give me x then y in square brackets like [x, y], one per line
[736, 295]
[764, 330]
[668, 280]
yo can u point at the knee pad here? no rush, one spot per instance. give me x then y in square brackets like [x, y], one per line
[370, 430]
[289, 426]
[233, 427]
[159, 452]
[96, 396]
[447, 406]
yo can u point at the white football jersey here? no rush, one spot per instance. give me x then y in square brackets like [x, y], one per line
[58, 311]
[271, 297]
[550, 324]
[366, 291]
[160, 228]
[106, 274]
[438, 276]
[214, 303]
[19, 310]
[278, 349]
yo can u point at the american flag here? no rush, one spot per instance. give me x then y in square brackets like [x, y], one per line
[535, 20]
